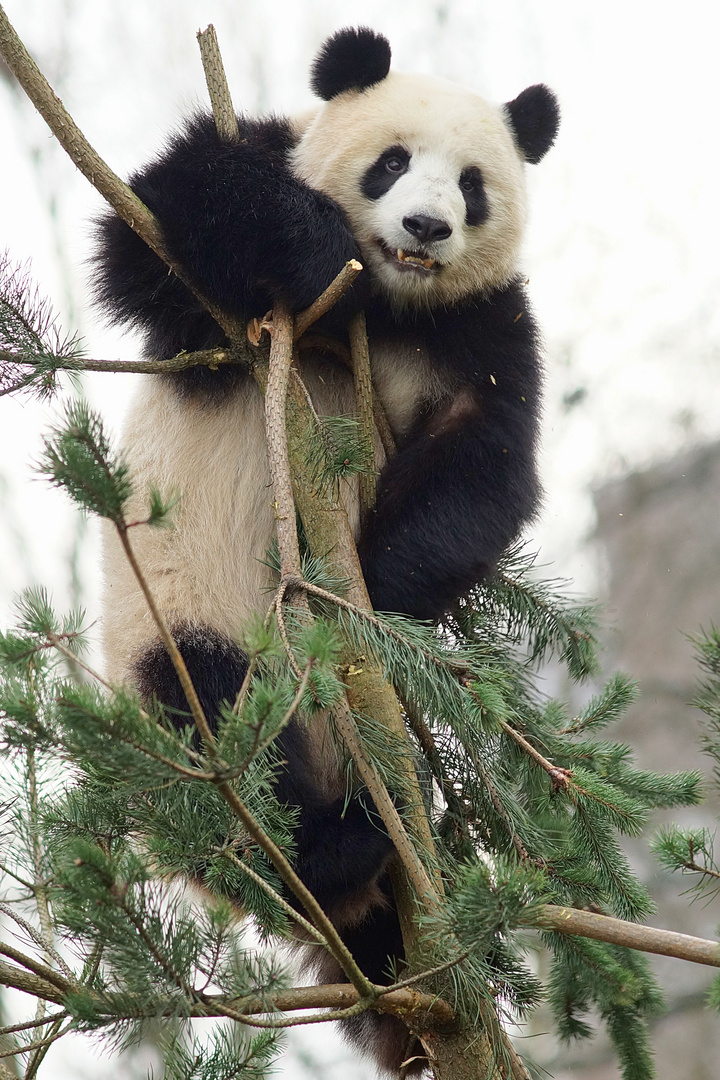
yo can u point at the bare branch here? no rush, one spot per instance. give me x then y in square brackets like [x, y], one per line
[328, 299]
[364, 400]
[225, 118]
[561, 778]
[121, 197]
[281, 356]
[647, 939]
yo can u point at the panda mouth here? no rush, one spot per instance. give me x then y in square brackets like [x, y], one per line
[418, 262]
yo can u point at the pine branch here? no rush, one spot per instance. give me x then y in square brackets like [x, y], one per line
[212, 358]
[30, 983]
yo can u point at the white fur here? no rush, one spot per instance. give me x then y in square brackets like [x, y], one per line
[207, 568]
[445, 128]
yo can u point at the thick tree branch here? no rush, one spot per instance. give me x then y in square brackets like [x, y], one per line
[647, 939]
[32, 984]
[362, 375]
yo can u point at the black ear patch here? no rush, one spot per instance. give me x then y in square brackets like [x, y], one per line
[534, 117]
[350, 60]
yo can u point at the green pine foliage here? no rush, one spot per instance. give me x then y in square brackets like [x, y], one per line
[32, 348]
[527, 803]
[692, 852]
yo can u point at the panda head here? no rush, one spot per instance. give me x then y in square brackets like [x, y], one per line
[430, 175]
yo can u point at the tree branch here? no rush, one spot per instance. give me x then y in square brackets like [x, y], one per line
[225, 118]
[211, 358]
[362, 375]
[647, 939]
[121, 197]
[327, 299]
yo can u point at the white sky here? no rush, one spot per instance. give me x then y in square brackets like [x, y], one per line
[622, 252]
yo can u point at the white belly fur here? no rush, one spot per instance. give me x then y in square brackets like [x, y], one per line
[207, 568]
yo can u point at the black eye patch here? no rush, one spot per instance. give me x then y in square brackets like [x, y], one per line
[383, 173]
[473, 192]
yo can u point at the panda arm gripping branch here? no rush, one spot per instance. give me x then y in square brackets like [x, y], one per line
[463, 482]
[241, 224]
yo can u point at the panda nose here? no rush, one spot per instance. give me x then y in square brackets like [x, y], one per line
[427, 228]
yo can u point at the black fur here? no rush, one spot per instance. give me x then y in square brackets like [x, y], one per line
[240, 223]
[473, 189]
[382, 174]
[351, 59]
[463, 481]
[535, 117]
[341, 846]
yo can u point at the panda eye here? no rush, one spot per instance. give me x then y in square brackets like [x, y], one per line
[385, 170]
[396, 160]
[470, 179]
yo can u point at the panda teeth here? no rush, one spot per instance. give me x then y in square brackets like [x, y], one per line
[416, 259]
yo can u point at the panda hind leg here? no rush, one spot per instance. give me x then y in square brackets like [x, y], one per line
[216, 665]
[342, 850]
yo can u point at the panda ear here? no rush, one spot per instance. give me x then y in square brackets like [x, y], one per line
[350, 60]
[534, 118]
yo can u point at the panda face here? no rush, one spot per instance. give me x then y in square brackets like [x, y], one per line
[423, 208]
[432, 181]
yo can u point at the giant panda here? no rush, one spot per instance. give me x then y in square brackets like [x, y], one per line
[423, 182]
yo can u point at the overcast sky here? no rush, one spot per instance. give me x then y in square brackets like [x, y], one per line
[622, 250]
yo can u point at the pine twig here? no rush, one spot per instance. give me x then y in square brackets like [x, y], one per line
[561, 778]
[41, 1044]
[262, 744]
[28, 1025]
[55, 1032]
[211, 358]
[289, 910]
